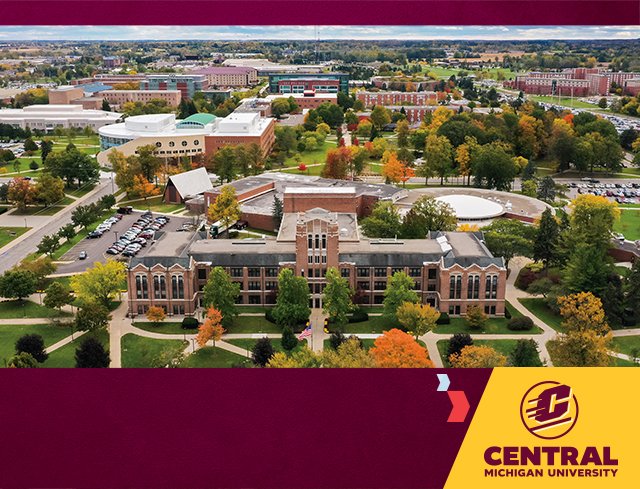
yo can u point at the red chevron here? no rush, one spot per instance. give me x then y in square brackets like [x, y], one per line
[460, 407]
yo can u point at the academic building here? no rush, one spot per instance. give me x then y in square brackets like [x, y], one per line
[319, 230]
[332, 82]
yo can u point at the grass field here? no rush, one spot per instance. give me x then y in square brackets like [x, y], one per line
[9, 334]
[253, 324]
[210, 357]
[311, 157]
[139, 352]
[65, 357]
[626, 345]
[249, 343]
[629, 224]
[375, 324]
[494, 325]
[16, 309]
[441, 72]
[8, 234]
[164, 327]
[564, 101]
[154, 204]
[539, 308]
[44, 211]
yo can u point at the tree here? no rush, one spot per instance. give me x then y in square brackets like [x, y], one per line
[49, 190]
[399, 290]
[330, 114]
[349, 354]
[22, 360]
[289, 340]
[40, 267]
[583, 311]
[92, 354]
[402, 130]
[33, 344]
[21, 193]
[68, 231]
[211, 329]
[338, 162]
[393, 169]
[17, 284]
[262, 352]
[29, 145]
[547, 189]
[226, 208]
[546, 241]
[584, 348]
[529, 172]
[279, 107]
[49, 244]
[591, 220]
[477, 357]
[57, 295]
[384, 221]
[92, 317]
[221, 293]
[457, 342]
[428, 214]
[493, 167]
[336, 339]
[417, 318]
[475, 317]
[277, 211]
[99, 283]
[292, 303]
[587, 269]
[303, 358]
[396, 349]
[83, 215]
[438, 156]
[156, 314]
[508, 238]
[525, 354]
[105, 105]
[336, 298]
[46, 147]
[633, 290]
[380, 116]
[33, 166]
[73, 166]
[144, 188]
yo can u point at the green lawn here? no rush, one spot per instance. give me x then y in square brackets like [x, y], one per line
[210, 357]
[565, 101]
[375, 324]
[626, 345]
[27, 309]
[539, 308]
[140, 352]
[252, 309]
[9, 334]
[620, 362]
[23, 166]
[318, 155]
[154, 204]
[44, 211]
[312, 170]
[79, 192]
[629, 224]
[253, 324]
[249, 343]
[164, 327]
[495, 325]
[441, 72]
[65, 357]
[8, 234]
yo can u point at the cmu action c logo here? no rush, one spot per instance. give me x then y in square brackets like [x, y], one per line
[549, 410]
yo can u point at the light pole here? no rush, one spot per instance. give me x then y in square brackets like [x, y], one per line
[116, 233]
[25, 222]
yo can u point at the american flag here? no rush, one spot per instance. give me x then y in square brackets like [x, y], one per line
[306, 333]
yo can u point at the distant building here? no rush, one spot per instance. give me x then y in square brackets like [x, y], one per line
[187, 84]
[576, 82]
[119, 97]
[112, 61]
[369, 99]
[47, 117]
[332, 82]
[229, 76]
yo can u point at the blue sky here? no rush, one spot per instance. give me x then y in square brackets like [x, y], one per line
[307, 32]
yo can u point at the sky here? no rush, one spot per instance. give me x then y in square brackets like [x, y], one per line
[94, 33]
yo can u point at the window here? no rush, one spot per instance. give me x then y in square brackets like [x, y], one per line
[378, 299]
[159, 287]
[236, 272]
[202, 274]
[270, 272]
[344, 272]
[171, 144]
[396, 270]
[379, 272]
[142, 287]
[309, 241]
[473, 286]
[416, 285]
[432, 274]
[158, 144]
[455, 286]
[491, 287]
[324, 241]
[363, 272]
[363, 285]
[379, 285]
[317, 240]
[431, 287]
[177, 287]
[254, 299]
[184, 143]
[270, 285]
[454, 310]
[196, 142]
[241, 284]
[254, 285]
[254, 272]
[178, 310]
[310, 259]
[415, 272]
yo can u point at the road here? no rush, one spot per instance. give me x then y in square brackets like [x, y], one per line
[15, 254]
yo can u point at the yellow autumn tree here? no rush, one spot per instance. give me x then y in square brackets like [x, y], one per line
[417, 318]
[440, 116]
[583, 311]
[584, 348]
[211, 329]
[468, 228]
[473, 356]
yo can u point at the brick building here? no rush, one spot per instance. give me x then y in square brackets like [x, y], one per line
[119, 97]
[187, 84]
[576, 82]
[229, 76]
[451, 271]
[332, 82]
[370, 99]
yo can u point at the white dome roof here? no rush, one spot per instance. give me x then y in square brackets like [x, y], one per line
[469, 207]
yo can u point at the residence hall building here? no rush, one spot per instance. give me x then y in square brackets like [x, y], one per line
[332, 82]
[197, 135]
[451, 271]
[120, 97]
[187, 84]
[228, 76]
[371, 99]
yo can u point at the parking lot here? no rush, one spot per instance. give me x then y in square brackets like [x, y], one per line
[621, 192]
[96, 248]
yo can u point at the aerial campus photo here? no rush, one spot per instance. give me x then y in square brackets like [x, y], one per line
[319, 196]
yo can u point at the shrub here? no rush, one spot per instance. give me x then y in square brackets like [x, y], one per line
[269, 316]
[507, 314]
[522, 323]
[190, 323]
[336, 340]
[457, 342]
[358, 316]
[443, 319]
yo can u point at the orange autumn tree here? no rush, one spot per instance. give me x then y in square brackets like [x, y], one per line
[211, 329]
[338, 163]
[144, 188]
[156, 314]
[396, 349]
[394, 170]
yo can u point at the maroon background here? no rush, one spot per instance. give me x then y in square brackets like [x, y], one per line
[328, 12]
[166, 428]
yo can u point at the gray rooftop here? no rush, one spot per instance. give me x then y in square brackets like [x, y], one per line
[347, 224]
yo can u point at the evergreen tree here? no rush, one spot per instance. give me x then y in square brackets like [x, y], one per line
[33, 344]
[289, 340]
[262, 352]
[457, 342]
[292, 304]
[105, 105]
[529, 171]
[613, 300]
[277, 211]
[546, 242]
[91, 354]
[525, 354]
[547, 189]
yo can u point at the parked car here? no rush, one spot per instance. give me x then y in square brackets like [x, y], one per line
[94, 234]
[241, 224]
[82, 255]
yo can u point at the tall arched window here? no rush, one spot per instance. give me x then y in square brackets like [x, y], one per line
[159, 287]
